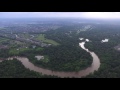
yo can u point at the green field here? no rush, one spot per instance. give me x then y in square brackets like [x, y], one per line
[16, 52]
[1, 28]
[26, 36]
[42, 38]
[3, 40]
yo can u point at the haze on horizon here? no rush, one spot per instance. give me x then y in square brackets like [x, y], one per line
[89, 15]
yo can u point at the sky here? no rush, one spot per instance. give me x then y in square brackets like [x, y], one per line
[91, 15]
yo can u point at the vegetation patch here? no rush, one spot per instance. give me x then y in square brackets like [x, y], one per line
[17, 51]
[15, 69]
[42, 38]
[45, 60]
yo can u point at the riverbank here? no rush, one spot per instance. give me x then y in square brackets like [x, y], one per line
[94, 66]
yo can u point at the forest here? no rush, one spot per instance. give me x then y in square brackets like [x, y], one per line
[109, 57]
[15, 69]
[66, 55]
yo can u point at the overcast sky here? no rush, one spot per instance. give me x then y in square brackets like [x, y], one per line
[99, 15]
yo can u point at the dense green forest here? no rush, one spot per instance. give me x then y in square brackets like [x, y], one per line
[15, 69]
[109, 57]
[68, 55]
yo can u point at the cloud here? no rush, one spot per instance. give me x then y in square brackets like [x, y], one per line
[104, 15]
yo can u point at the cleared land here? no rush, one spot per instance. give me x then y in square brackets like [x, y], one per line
[42, 38]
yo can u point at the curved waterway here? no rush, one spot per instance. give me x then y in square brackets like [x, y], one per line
[94, 66]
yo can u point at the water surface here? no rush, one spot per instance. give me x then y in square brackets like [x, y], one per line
[94, 66]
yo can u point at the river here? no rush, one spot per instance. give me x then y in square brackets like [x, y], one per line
[94, 66]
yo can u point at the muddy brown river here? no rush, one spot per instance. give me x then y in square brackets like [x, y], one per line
[94, 66]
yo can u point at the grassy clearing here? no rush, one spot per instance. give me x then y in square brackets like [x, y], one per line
[1, 28]
[42, 38]
[39, 49]
[16, 52]
[26, 36]
[3, 39]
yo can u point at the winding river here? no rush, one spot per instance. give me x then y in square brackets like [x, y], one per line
[94, 66]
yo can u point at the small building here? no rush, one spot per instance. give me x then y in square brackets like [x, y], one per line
[39, 57]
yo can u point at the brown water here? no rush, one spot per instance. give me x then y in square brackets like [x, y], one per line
[94, 66]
